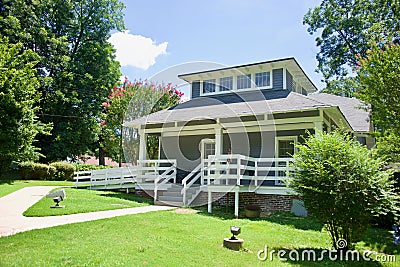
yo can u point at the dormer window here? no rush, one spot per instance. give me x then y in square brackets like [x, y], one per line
[263, 79]
[226, 84]
[209, 86]
[244, 81]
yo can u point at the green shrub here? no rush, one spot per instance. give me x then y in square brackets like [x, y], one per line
[52, 172]
[64, 171]
[342, 184]
[34, 171]
[89, 167]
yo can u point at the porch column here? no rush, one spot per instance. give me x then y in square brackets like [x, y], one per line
[142, 144]
[237, 204]
[218, 149]
[209, 202]
[219, 134]
[318, 125]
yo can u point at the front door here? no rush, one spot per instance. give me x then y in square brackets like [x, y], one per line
[207, 149]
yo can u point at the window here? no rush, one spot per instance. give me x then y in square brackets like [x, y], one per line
[209, 86]
[209, 149]
[263, 79]
[285, 147]
[244, 81]
[226, 84]
[362, 140]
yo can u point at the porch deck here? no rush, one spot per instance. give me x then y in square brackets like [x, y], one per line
[225, 173]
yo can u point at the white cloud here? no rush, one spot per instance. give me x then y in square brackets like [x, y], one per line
[136, 50]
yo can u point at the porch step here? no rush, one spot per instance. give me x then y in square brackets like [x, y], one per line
[171, 197]
[175, 189]
[168, 203]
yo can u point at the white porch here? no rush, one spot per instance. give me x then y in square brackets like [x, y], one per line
[224, 173]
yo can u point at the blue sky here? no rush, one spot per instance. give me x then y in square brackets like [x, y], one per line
[161, 34]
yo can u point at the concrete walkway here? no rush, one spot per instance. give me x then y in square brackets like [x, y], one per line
[13, 205]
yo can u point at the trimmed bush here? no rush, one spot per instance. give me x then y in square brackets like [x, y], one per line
[64, 171]
[52, 172]
[342, 184]
[89, 167]
[34, 171]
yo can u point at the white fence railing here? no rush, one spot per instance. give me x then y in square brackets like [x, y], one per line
[106, 177]
[158, 172]
[237, 169]
[215, 170]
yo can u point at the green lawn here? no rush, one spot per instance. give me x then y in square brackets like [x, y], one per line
[81, 200]
[170, 239]
[7, 187]
[166, 238]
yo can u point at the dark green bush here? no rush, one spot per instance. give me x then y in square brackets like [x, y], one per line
[342, 184]
[34, 171]
[64, 171]
[89, 167]
[52, 172]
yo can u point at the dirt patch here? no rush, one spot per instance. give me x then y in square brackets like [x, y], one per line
[185, 211]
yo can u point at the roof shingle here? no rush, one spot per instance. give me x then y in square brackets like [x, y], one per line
[255, 103]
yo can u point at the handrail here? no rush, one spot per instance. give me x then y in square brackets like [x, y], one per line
[187, 185]
[234, 166]
[165, 176]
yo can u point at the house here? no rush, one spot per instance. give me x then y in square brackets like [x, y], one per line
[232, 142]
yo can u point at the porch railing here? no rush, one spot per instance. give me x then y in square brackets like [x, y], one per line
[106, 178]
[149, 170]
[238, 169]
[158, 171]
[189, 180]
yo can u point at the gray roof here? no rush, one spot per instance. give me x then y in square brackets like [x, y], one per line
[254, 103]
[352, 108]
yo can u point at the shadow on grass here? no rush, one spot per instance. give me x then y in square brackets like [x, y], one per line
[289, 219]
[380, 240]
[317, 257]
[222, 213]
[5, 181]
[283, 218]
[130, 197]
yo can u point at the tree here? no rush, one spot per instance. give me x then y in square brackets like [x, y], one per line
[347, 87]
[379, 79]
[347, 28]
[18, 104]
[342, 184]
[387, 147]
[130, 101]
[77, 65]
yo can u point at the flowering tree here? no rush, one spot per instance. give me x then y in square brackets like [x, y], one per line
[129, 101]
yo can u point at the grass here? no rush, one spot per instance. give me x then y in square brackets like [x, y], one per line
[81, 200]
[9, 186]
[167, 238]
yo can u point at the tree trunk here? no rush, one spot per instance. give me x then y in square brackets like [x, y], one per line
[102, 160]
[120, 148]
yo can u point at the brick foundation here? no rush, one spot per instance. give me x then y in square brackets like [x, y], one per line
[145, 193]
[268, 203]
